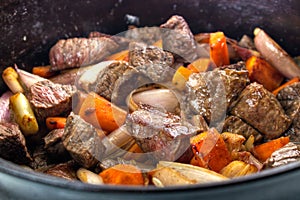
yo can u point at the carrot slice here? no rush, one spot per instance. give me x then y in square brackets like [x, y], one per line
[200, 65]
[119, 56]
[262, 72]
[210, 151]
[55, 122]
[43, 71]
[123, 174]
[101, 113]
[265, 150]
[218, 49]
[290, 82]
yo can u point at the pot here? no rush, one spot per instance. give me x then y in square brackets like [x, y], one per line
[30, 28]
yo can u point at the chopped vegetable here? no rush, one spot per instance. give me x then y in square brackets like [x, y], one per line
[23, 114]
[262, 72]
[120, 56]
[210, 150]
[101, 113]
[290, 82]
[238, 168]
[200, 65]
[123, 174]
[43, 71]
[28, 79]
[86, 176]
[265, 150]
[218, 49]
[180, 77]
[55, 122]
[10, 77]
[275, 55]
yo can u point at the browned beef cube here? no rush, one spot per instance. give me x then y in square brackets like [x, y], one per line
[82, 141]
[13, 144]
[160, 134]
[234, 124]
[260, 108]
[54, 146]
[289, 98]
[210, 94]
[50, 99]
[178, 38]
[151, 61]
[64, 170]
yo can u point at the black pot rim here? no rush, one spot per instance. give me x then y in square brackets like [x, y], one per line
[14, 170]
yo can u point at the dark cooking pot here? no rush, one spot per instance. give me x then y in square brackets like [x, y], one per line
[30, 28]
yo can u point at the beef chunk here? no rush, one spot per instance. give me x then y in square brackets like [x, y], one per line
[54, 146]
[211, 93]
[50, 99]
[234, 124]
[151, 61]
[107, 78]
[41, 160]
[287, 154]
[77, 52]
[13, 144]
[179, 40]
[64, 170]
[161, 134]
[289, 98]
[260, 108]
[82, 141]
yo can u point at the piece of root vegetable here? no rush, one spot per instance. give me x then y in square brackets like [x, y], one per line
[290, 82]
[274, 54]
[23, 114]
[28, 79]
[55, 122]
[10, 77]
[86, 176]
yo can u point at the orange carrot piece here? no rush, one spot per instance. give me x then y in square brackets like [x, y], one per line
[180, 77]
[200, 65]
[119, 56]
[290, 82]
[262, 72]
[210, 151]
[43, 71]
[218, 49]
[158, 44]
[55, 122]
[123, 174]
[101, 113]
[265, 150]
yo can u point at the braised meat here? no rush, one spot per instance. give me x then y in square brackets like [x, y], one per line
[151, 61]
[77, 52]
[107, 78]
[147, 35]
[50, 99]
[54, 146]
[64, 170]
[178, 38]
[289, 98]
[211, 93]
[82, 141]
[234, 124]
[160, 134]
[260, 109]
[13, 144]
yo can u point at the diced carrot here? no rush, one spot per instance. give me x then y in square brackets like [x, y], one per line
[218, 49]
[262, 72]
[210, 151]
[180, 77]
[43, 71]
[123, 174]
[158, 44]
[101, 113]
[290, 82]
[200, 65]
[55, 122]
[265, 150]
[120, 56]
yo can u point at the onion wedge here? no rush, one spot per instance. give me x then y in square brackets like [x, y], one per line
[275, 55]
